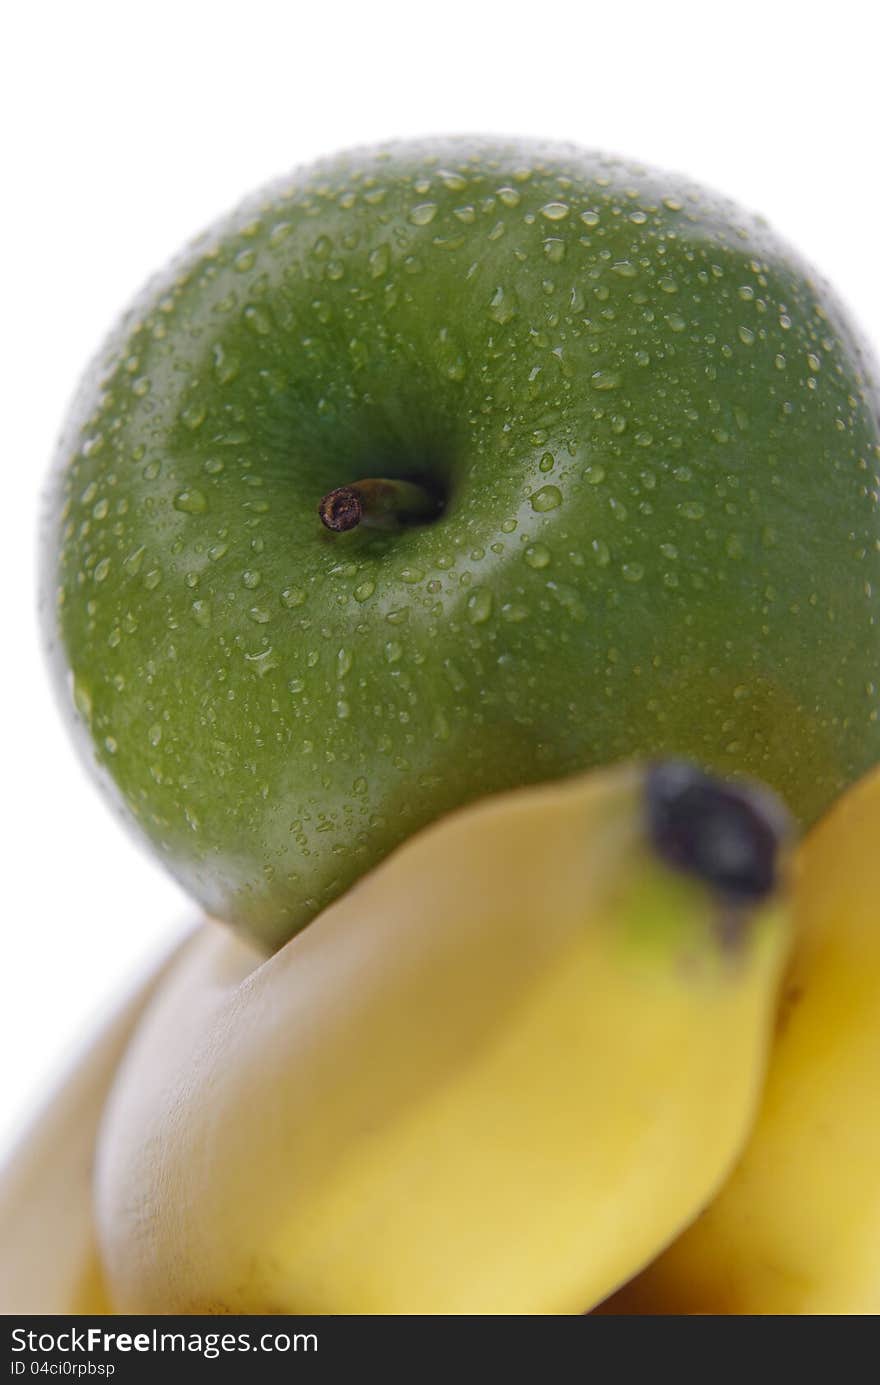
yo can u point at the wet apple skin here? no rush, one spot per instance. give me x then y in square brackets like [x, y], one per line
[656, 433]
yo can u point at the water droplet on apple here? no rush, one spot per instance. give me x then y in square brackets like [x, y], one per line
[132, 563]
[279, 233]
[547, 498]
[606, 379]
[555, 211]
[554, 249]
[632, 572]
[191, 501]
[502, 306]
[479, 605]
[292, 597]
[193, 416]
[440, 727]
[537, 555]
[450, 355]
[343, 663]
[226, 365]
[364, 591]
[82, 697]
[457, 369]
[513, 612]
[451, 179]
[258, 320]
[692, 509]
[455, 676]
[423, 213]
[379, 260]
[359, 353]
[251, 578]
[201, 612]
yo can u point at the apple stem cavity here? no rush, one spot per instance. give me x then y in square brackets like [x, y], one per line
[378, 502]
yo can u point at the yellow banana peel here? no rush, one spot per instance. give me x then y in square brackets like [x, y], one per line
[498, 1076]
[796, 1229]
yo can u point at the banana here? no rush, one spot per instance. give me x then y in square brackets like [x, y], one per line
[796, 1230]
[49, 1259]
[497, 1076]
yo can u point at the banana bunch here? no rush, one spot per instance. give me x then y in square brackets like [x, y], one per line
[502, 1074]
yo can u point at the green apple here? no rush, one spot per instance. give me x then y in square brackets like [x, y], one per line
[632, 448]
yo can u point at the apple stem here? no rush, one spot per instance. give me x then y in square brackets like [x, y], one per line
[380, 502]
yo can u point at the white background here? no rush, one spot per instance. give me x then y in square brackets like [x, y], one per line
[129, 127]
